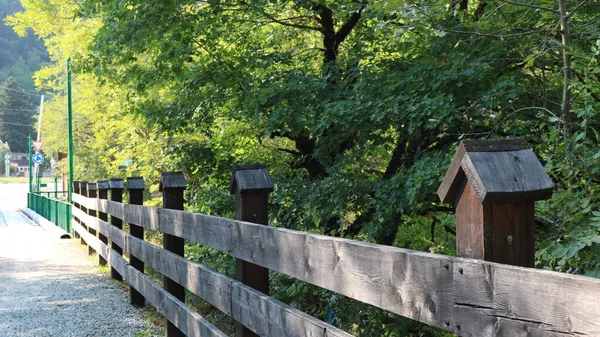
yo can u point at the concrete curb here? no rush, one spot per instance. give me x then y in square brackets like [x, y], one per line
[47, 225]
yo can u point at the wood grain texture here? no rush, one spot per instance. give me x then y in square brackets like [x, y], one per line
[186, 319]
[402, 281]
[494, 145]
[471, 238]
[453, 178]
[411, 284]
[509, 177]
[266, 316]
[485, 299]
[262, 314]
[499, 300]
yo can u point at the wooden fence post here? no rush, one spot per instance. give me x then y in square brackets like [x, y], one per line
[135, 192]
[493, 185]
[172, 185]
[103, 194]
[116, 194]
[76, 190]
[83, 192]
[92, 191]
[251, 185]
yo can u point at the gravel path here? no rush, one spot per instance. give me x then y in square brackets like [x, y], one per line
[50, 287]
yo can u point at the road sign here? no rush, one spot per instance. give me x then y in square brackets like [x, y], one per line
[7, 156]
[38, 158]
[52, 163]
[6, 162]
[37, 145]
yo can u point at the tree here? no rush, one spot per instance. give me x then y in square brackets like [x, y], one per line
[16, 115]
[19, 57]
[356, 106]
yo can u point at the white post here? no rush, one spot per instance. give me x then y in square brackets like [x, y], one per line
[39, 131]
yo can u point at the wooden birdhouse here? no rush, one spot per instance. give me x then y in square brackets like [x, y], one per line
[493, 185]
[251, 185]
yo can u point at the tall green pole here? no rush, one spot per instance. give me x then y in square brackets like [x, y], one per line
[30, 170]
[70, 129]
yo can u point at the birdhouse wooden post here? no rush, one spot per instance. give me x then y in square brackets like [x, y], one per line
[251, 185]
[493, 185]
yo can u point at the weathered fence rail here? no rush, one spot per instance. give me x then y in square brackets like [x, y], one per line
[466, 296]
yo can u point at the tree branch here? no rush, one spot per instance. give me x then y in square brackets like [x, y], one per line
[530, 6]
[347, 27]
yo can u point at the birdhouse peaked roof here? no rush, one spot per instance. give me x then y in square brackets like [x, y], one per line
[500, 171]
[253, 177]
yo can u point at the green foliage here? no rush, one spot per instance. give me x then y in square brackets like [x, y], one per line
[20, 57]
[16, 115]
[355, 106]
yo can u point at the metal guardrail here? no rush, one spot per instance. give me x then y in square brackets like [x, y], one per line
[54, 210]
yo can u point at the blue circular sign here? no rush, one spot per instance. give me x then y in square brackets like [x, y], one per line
[38, 158]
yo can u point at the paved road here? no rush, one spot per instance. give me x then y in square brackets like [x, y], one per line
[50, 287]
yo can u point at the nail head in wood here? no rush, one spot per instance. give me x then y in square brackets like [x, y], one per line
[253, 177]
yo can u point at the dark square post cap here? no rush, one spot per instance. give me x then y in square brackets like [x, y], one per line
[116, 183]
[500, 171]
[92, 186]
[172, 181]
[83, 184]
[103, 185]
[253, 177]
[135, 183]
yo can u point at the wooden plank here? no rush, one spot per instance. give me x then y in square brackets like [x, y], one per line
[417, 285]
[147, 217]
[412, 284]
[209, 230]
[262, 314]
[494, 145]
[509, 177]
[79, 199]
[266, 316]
[186, 319]
[500, 300]
[472, 239]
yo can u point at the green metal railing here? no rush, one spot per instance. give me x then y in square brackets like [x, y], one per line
[56, 211]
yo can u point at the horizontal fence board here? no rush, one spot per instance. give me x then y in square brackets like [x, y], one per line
[209, 230]
[260, 313]
[268, 317]
[186, 319]
[411, 284]
[79, 199]
[514, 301]
[486, 299]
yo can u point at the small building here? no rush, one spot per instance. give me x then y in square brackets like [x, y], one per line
[21, 166]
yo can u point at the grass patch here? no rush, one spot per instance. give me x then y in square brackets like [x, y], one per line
[10, 180]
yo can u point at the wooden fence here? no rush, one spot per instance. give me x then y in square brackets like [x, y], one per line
[465, 296]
